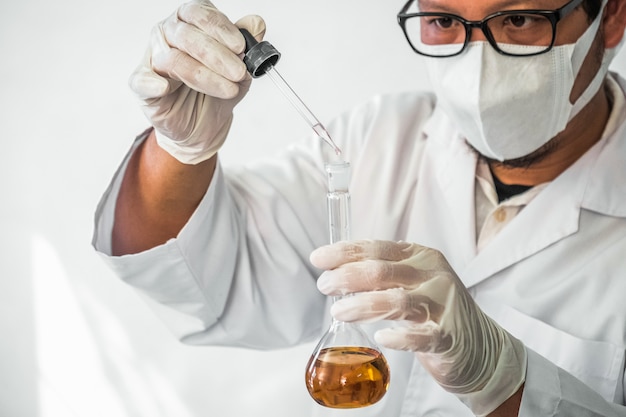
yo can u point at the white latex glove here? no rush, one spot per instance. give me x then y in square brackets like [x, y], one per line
[191, 78]
[464, 350]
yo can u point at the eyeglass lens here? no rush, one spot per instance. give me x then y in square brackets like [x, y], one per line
[441, 35]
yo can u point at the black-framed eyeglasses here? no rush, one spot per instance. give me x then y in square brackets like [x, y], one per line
[510, 32]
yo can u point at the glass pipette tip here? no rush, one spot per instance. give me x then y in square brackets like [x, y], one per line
[299, 105]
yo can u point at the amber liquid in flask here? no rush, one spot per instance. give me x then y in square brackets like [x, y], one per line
[346, 369]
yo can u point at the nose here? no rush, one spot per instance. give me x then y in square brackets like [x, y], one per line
[477, 34]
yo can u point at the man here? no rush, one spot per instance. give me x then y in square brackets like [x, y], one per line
[509, 180]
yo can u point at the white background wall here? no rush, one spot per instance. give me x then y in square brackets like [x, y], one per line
[73, 340]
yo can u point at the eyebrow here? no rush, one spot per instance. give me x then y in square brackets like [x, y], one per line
[441, 6]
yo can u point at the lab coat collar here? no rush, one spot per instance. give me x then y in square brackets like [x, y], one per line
[595, 182]
[606, 190]
[452, 164]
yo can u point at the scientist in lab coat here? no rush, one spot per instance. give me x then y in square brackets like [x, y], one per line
[489, 224]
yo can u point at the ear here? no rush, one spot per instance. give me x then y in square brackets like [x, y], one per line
[614, 22]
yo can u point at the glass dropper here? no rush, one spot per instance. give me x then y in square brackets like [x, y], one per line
[302, 108]
[260, 59]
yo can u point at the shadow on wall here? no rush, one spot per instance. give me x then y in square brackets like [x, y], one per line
[84, 363]
[95, 349]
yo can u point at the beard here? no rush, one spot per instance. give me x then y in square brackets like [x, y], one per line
[525, 161]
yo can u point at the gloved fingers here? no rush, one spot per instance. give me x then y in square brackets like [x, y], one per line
[393, 304]
[147, 84]
[217, 36]
[337, 254]
[425, 338]
[370, 275]
[213, 23]
[183, 52]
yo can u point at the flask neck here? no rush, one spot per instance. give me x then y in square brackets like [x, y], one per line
[338, 204]
[339, 216]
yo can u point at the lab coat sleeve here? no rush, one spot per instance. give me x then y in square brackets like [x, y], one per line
[551, 391]
[238, 272]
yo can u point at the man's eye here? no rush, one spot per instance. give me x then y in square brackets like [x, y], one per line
[521, 21]
[444, 22]
[441, 22]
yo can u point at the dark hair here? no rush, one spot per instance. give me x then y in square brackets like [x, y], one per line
[592, 7]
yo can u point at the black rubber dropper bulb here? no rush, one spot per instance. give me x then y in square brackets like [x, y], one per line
[260, 56]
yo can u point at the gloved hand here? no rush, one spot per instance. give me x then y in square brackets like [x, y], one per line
[192, 76]
[465, 351]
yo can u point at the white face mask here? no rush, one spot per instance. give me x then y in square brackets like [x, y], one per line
[508, 107]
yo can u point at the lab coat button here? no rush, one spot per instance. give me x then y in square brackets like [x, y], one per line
[500, 215]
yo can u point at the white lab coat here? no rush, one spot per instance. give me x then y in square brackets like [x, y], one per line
[555, 277]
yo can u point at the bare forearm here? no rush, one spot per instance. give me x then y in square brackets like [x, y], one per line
[509, 408]
[157, 196]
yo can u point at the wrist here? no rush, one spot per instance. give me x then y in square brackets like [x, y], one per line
[194, 150]
[506, 380]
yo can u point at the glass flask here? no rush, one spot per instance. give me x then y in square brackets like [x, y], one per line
[346, 369]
